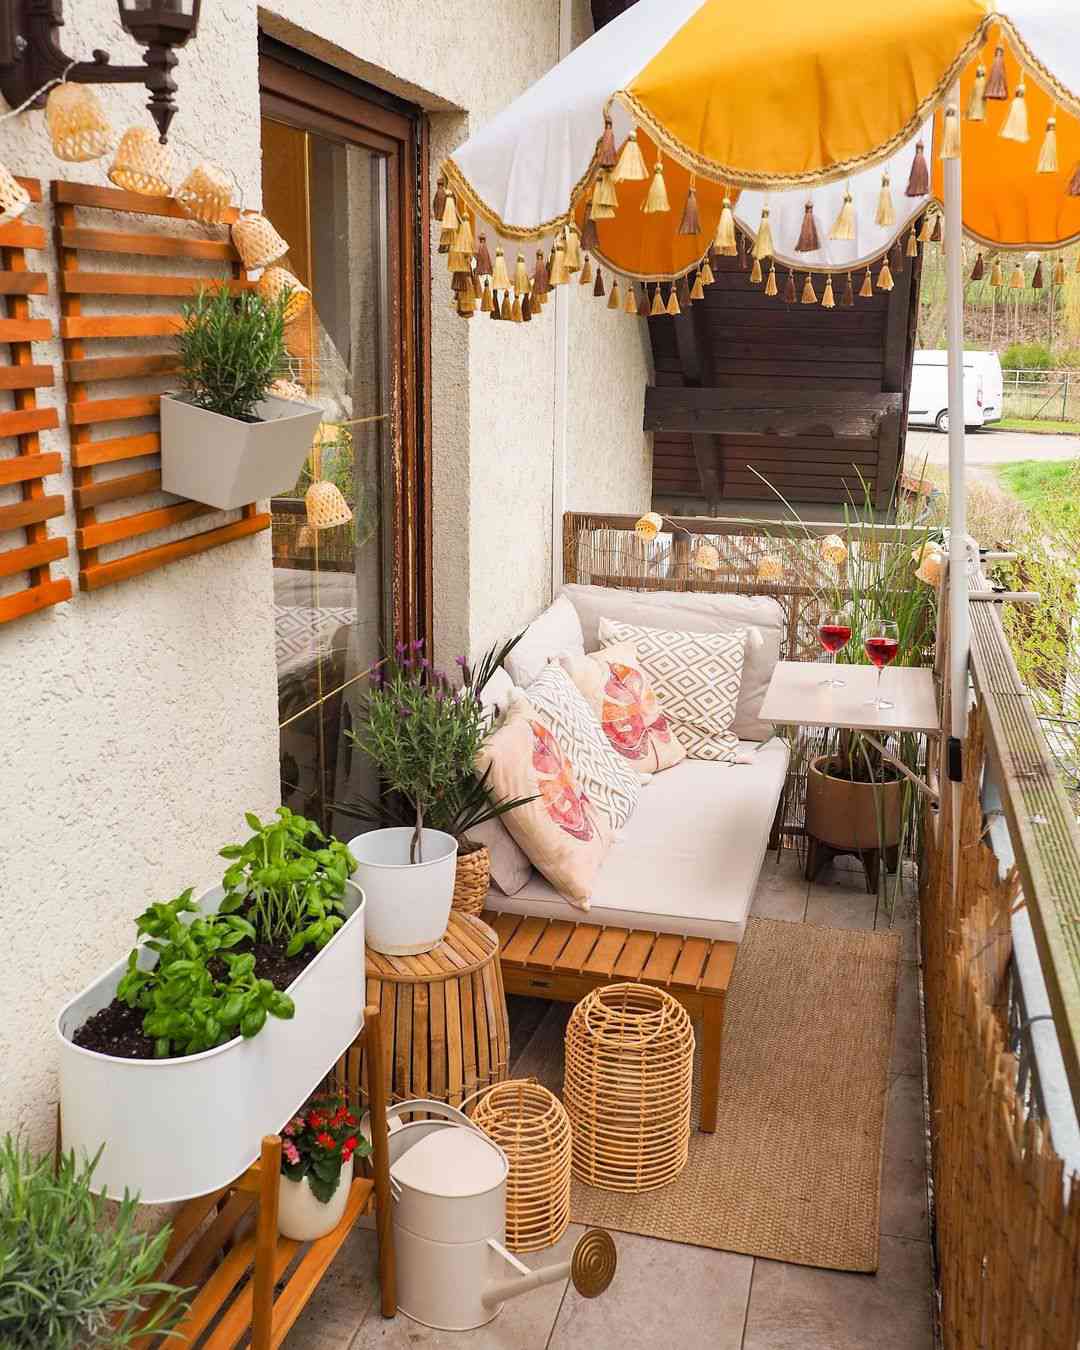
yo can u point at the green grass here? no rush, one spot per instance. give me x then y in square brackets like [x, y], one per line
[1050, 491]
[1043, 425]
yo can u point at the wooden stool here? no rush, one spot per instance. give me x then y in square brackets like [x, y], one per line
[444, 1013]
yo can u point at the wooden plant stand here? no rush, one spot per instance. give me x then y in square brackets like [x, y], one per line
[563, 961]
[251, 1284]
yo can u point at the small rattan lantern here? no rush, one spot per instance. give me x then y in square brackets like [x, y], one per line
[706, 556]
[649, 525]
[256, 240]
[277, 279]
[629, 1069]
[142, 163]
[14, 198]
[531, 1126]
[834, 550]
[78, 127]
[326, 506]
[770, 568]
[290, 390]
[206, 193]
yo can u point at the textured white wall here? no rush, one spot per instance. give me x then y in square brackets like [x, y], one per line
[138, 724]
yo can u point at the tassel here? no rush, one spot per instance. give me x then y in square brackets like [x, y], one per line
[896, 260]
[885, 215]
[691, 218]
[1016, 279]
[487, 300]
[724, 240]
[996, 84]
[979, 270]
[997, 276]
[935, 233]
[789, 289]
[755, 272]
[682, 290]
[1037, 278]
[463, 241]
[483, 257]
[586, 272]
[809, 295]
[590, 240]
[631, 166]
[849, 293]
[630, 304]
[673, 302]
[976, 108]
[844, 224]
[884, 277]
[697, 290]
[740, 251]
[809, 240]
[706, 273]
[438, 203]
[458, 262]
[449, 219]
[558, 275]
[598, 285]
[866, 290]
[763, 244]
[495, 307]
[827, 300]
[521, 276]
[507, 309]
[1073, 190]
[528, 309]
[515, 311]
[1015, 126]
[500, 277]
[1059, 272]
[615, 298]
[606, 154]
[643, 304]
[573, 250]
[770, 283]
[912, 249]
[918, 183]
[604, 200]
[950, 136]
[926, 229]
[1048, 160]
[657, 198]
[657, 306]
[541, 283]
[445, 237]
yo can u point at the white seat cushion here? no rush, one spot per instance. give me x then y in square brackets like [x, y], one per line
[689, 858]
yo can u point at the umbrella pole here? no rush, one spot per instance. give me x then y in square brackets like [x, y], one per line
[959, 638]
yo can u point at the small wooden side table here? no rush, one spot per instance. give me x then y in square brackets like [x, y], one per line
[446, 1029]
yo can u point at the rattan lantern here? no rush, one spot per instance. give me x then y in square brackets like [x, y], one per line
[14, 198]
[326, 506]
[289, 389]
[629, 1069]
[206, 193]
[78, 127]
[834, 550]
[531, 1126]
[275, 280]
[770, 568]
[256, 240]
[706, 556]
[142, 163]
[649, 525]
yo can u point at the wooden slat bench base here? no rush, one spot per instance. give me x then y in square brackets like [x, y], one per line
[562, 961]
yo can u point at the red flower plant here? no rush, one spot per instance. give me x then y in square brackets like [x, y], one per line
[321, 1140]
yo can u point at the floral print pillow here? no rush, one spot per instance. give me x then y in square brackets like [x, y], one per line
[561, 831]
[631, 716]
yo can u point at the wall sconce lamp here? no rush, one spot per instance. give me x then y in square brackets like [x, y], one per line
[30, 55]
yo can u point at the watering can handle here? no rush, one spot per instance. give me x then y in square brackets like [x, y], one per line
[432, 1108]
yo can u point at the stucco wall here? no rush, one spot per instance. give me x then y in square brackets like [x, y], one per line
[139, 723]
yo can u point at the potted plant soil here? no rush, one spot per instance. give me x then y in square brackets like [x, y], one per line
[423, 735]
[227, 1013]
[317, 1149]
[225, 440]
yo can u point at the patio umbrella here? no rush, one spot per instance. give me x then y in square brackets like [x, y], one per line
[703, 99]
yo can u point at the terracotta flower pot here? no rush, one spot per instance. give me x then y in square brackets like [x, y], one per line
[852, 817]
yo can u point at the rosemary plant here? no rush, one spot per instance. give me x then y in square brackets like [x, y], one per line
[231, 348]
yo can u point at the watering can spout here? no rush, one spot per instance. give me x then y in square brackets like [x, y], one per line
[591, 1267]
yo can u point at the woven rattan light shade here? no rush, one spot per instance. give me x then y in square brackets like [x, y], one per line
[289, 389]
[531, 1126]
[205, 194]
[142, 163]
[326, 506]
[14, 198]
[629, 1069]
[256, 240]
[472, 880]
[277, 279]
[78, 127]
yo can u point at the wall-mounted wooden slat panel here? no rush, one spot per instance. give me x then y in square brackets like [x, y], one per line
[25, 330]
[131, 283]
[31, 512]
[24, 283]
[30, 556]
[33, 599]
[104, 574]
[116, 199]
[78, 326]
[114, 489]
[22, 468]
[120, 367]
[26, 377]
[89, 453]
[142, 522]
[147, 245]
[20, 422]
[113, 409]
[18, 234]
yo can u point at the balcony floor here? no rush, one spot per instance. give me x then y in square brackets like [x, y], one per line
[668, 1294]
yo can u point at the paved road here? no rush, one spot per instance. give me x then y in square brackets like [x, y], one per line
[989, 447]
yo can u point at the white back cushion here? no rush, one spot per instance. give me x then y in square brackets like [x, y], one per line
[556, 631]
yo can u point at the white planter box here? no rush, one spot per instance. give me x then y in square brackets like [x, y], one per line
[178, 1128]
[227, 463]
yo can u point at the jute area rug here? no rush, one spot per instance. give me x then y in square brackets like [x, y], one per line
[793, 1171]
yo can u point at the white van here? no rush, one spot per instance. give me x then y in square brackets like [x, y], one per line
[928, 404]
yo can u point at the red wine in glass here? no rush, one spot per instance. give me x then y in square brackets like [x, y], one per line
[882, 644]
[834, 634]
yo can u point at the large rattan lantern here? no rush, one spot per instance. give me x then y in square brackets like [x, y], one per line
[142, 164]
[257, 242]
[206, 193]
[78, 127]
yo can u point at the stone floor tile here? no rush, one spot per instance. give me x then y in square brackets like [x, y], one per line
[781, 890]
[897, 913]
[346, 1295]
[838, 899]
[800, 1308]
[903, 1178]
[542, 1057]
[664, 1294]
[907, 1038]
[526, 1014]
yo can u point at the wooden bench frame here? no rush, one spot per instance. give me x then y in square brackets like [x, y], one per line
[562, 961]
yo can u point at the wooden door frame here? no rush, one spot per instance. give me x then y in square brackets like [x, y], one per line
[312, 96]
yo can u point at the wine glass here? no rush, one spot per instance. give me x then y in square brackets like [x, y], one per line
[882, 643]
[834, 634]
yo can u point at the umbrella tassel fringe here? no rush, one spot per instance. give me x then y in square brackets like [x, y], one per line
[1048, 156]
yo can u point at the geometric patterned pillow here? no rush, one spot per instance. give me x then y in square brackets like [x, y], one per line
[609, 781]
[696, 677]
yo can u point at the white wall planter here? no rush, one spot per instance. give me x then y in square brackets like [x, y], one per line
[408, 904]
[227, 463]
[178, 1128]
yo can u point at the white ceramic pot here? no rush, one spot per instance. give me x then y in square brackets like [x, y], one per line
[225, 462]
[408, 904]
[302, 1216]
[176, 1128]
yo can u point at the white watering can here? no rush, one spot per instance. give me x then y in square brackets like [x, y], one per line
[448, 1183]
